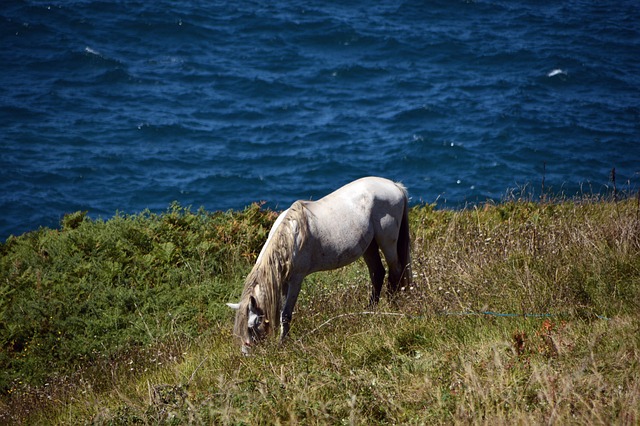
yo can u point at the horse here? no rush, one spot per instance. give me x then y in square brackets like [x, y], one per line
[360, 219]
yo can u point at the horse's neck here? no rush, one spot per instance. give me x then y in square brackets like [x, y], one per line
[279, 251]
[286, 238]
[275, 229]
[297, 238]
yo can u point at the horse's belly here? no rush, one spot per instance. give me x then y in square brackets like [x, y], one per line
[339, 246]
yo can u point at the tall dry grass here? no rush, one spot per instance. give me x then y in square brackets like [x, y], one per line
[433, 355]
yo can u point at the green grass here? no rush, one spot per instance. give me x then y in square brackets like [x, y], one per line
[123, 322]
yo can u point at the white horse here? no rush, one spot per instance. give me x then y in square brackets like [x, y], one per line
[359, 219]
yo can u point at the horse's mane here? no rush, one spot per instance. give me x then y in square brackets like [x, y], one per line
[273, 268]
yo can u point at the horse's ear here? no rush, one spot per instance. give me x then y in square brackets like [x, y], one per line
[253, 304]
[234, 306]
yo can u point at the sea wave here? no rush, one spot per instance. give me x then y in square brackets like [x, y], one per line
[111, 106]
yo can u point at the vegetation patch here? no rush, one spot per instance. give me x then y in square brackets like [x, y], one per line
[519, 312]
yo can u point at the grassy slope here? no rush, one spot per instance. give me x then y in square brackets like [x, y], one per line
[123, 322]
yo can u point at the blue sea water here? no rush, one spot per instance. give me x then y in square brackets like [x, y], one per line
[112, 106]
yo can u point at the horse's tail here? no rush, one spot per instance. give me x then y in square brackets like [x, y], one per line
[404, 242]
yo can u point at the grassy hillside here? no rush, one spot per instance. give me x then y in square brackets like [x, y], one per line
[520, 312]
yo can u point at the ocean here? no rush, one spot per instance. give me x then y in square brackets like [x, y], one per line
[122, 106]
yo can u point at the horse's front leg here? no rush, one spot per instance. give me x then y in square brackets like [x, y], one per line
[287, 311]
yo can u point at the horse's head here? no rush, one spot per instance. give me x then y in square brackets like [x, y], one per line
[251, 324]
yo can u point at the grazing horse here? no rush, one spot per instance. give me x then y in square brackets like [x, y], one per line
[362, 218]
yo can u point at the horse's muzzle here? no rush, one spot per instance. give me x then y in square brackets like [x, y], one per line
[246, 349]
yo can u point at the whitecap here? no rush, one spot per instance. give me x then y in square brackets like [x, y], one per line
[90, 50]
[556, 72]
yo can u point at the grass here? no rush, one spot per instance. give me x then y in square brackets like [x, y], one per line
[123, 322]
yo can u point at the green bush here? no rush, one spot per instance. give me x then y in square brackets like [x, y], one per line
[123, 321]
[95, 288]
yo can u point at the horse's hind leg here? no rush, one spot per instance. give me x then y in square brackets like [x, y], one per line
[376, 271]
[395, 269]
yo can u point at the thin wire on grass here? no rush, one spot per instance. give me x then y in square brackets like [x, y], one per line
[193, 375]
[352, 314]
[465, 313]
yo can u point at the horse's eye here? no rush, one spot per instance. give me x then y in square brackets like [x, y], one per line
[254, 320]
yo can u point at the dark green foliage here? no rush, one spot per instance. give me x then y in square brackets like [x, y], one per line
[124, 322]
[94, 289]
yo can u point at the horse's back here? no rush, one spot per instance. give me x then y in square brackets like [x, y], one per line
[381, 188]
[343, 223]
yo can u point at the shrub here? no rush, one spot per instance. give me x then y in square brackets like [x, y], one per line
[95, 288]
